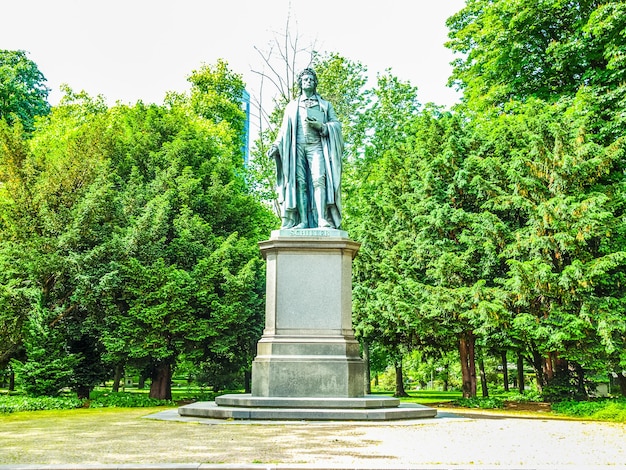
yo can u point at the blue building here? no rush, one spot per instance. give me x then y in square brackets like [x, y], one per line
[245, 102]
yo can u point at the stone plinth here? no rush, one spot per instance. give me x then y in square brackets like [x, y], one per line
[308, 347]
[308, 363]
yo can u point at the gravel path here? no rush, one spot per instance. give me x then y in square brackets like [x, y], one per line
[453, 440]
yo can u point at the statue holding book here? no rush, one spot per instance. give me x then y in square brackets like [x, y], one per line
[308, 153]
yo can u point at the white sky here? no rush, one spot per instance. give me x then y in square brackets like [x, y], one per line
[128, 50]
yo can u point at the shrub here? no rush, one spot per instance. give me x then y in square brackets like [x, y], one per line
[525, 397]
[124, 400]
[15, 403]
[602, 410]
[480, 402]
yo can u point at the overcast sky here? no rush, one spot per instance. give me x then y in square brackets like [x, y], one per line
[128, 50]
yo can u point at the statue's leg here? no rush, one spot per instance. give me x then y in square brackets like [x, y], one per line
[302, 202]
[288, 220]
[319, 194]
[318, 173]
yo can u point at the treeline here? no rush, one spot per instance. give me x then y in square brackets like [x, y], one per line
[129, 239]
[499, 228]
[129, 234]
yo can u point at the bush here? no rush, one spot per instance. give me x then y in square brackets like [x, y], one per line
[15, 403]
[124, 400]
[525, 397]
[480, 402]
[44, 375]
[602, 410]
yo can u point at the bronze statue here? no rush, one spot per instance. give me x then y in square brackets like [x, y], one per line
[308, 153]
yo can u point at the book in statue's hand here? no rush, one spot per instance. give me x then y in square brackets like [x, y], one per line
[315, 114]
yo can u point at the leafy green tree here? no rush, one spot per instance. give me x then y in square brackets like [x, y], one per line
[136, 232]
[23, 94]
[188, 277]
[566, 249]
[343, 83]
[543, 81]
[375, 180]
[513, 49]
[44, 178]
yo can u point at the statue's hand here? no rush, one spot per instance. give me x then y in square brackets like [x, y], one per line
[314, 124]
[273, 151]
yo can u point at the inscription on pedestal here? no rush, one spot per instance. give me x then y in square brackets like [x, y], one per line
[310, 232]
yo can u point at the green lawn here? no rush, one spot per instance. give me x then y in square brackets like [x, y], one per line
[423, 397]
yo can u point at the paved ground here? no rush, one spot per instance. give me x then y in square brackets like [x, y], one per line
[453, 440]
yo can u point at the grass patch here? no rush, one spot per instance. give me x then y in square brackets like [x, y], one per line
[423, 397]
[124, 400]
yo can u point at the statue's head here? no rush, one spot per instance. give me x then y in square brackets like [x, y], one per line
[307, 71]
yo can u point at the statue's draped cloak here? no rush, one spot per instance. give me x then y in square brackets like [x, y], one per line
[332, 144]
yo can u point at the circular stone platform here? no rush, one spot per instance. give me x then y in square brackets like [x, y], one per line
[245, 406]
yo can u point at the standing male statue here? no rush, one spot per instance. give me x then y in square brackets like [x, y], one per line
[308, 153]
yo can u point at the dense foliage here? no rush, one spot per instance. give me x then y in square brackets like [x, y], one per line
[499, 226]
[600, 410]
[16, 403]
[129, 239]
[23, 93]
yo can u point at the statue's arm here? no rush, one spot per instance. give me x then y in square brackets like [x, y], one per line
[332, 116]
[332, 120]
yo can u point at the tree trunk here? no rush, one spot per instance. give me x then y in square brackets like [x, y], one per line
[467, 341]
[505, 371]
[400, 392]
[621, 380]
[82, 392]
[483, 377]
[117, 377]
[538, 364]
[520, 373]
[550, 366]
[247, 380]
[161, 386]
[366, 359]
[580, 381]
[11, 380]
[141, 383]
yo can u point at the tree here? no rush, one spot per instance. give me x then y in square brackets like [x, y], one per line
[544, 84]
[187, 278]
[384, 281]
[566, 248]
[44, 178]
[512, 49]
[136, 233]
[23, 94]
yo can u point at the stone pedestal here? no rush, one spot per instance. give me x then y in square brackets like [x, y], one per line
[308, 363]
[308, 347]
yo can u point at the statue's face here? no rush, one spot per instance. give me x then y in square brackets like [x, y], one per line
[308, 82]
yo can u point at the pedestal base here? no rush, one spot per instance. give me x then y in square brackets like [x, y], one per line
[308, 347]
[246, 407]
